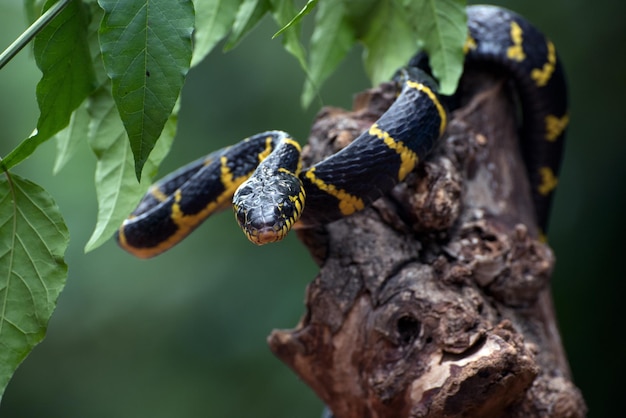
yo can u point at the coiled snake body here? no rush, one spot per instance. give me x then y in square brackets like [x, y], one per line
[263, 178]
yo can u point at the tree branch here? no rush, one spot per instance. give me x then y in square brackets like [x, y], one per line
[434, 302]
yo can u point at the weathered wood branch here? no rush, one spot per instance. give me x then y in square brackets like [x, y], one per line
[435, 302]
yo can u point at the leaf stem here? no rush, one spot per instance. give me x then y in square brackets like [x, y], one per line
[17, 45]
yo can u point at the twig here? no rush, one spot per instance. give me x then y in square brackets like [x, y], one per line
[32, 31]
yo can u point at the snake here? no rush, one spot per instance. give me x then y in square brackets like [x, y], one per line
[263, 179]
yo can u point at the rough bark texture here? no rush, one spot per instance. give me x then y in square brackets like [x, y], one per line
[435, 301]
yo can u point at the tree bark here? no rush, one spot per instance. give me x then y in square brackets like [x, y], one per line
[435, 301]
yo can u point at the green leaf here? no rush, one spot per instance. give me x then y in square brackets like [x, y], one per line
[331, 40]
[362, 11]
[62, 54]
[390, 40]
[33, 239]
[282, 11]
[117, 189]
[146, 47]
[308, 7]
[214, 19]
[93, 40]
[249, 14]
[442, 25]
[69, 139]
[391, 31]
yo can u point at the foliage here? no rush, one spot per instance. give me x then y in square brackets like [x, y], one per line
[33, 239]
[115, 70]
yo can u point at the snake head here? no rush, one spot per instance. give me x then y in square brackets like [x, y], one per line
[268, 204]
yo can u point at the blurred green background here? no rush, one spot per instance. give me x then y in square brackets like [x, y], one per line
[184, 335]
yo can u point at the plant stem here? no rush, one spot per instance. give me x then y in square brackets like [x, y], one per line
[17, 45]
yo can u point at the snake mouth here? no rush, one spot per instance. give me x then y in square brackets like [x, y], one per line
[265, 235]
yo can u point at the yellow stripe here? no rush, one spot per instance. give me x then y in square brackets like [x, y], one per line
[268, 149]
[299, 202]
[555, 126]
[186, 223]
[548, 181]
[296, 145]
[542, 75]
[293, 144]
[469, 45]
[433, 97]
[348, 204]
[516, 52]
[158, 194]
[407, 156]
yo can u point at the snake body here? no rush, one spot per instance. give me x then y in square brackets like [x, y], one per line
[263, 178]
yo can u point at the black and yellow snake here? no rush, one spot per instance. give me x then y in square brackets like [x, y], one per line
[263, 179]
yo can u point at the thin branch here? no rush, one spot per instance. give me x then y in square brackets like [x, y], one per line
[32, 31]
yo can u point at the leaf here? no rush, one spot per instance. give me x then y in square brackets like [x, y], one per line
[117, 189]
[93, 41]
[146, 47]
[308, 7]
[391, 31]
[362, 11]
[62, 54]
[331, 40]
[214, 19]
[282, 11]
[442, 25]
[390, 40]
[249, 14]
[33, 240]
[71, 137]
